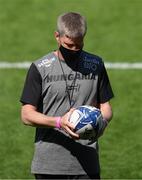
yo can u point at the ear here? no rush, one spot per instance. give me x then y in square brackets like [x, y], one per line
[57, 35]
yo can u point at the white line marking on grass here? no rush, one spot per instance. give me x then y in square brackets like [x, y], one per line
[124, 65]
[17, 65]
[109, 65]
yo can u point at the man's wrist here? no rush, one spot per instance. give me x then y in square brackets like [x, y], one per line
[58, 122]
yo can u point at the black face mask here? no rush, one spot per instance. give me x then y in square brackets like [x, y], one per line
[70, 55]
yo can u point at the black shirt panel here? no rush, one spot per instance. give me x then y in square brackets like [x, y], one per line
[105, 92]
[33, 87]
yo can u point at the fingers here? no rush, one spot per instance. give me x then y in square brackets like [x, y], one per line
[67, 126]
[71, 133]
[70, 112]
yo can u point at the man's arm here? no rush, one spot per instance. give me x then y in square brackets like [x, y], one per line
[107, 114]
[31, 117]
[106, 110]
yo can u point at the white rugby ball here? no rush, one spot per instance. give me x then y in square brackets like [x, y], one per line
[85, 118]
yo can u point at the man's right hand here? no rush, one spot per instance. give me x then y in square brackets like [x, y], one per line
[67, 126]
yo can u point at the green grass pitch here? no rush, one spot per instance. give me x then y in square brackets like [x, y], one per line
[114, 32]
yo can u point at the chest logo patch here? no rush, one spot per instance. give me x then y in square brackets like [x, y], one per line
[46, 62]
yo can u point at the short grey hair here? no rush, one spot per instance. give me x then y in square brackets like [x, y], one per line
[72, 25]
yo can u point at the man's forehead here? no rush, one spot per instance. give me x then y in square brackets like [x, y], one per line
[73, 40]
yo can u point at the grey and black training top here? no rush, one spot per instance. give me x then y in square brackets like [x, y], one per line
[46, 88]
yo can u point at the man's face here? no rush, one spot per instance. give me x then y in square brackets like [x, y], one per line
[69, 43]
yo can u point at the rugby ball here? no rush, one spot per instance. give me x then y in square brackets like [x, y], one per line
[86, 118]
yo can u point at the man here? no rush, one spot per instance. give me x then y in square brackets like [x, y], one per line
[56, 84]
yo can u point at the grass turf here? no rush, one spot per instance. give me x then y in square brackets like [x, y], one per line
[27, 27]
